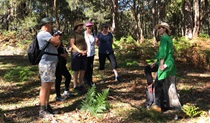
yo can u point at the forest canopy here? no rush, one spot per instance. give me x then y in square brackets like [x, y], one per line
[136, 18]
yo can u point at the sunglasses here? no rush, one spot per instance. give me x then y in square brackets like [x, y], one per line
[161, 27]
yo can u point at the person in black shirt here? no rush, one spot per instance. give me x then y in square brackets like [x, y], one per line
[61, 70]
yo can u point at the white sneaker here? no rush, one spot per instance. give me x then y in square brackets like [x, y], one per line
[67, 94]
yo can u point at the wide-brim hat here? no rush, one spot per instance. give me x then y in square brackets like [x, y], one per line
[78, 23]
[163, 24]
[46, 20]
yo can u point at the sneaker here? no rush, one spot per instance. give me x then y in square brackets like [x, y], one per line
[45, 114]
[117, 79]
[59, 98]
[67, 94]
[49, 109]
[156, 108]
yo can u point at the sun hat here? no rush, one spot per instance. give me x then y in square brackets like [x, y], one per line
[88, 24]
[165, 25]
[46, 20]
[77, 23]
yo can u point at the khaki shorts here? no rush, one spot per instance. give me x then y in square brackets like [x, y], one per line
[47, 72]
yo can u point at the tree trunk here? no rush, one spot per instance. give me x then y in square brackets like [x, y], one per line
[56, 15]
[115, 16]
[196, 18]
[170, 91]
[188, 19]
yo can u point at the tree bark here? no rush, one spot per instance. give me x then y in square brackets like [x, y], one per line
[56, 15]
[196, 18]
[115, 16]
[188, 19]
[170, 91]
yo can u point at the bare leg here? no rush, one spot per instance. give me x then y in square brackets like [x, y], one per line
[81, 77]
[43, 95]
[75, 78]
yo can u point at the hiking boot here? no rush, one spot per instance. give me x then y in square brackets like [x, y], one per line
[49, 109]
[77, 91]
[156, 108]
[67, 94]
[45, 114]
[59, 98]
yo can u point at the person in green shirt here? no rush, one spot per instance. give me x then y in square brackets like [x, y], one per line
[166, 64]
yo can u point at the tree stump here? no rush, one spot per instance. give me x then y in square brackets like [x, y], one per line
[170, 92]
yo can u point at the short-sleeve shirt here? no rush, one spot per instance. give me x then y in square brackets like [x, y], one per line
[105, 43]
[90, 41]
[79, 41]
[43, 37]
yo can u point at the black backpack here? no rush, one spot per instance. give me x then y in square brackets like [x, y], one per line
[34, 53]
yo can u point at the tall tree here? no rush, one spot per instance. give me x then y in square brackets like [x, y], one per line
[196, 18]
[188, 18]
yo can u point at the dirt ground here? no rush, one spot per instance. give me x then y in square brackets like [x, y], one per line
[20, 100]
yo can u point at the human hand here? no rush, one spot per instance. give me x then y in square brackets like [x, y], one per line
[83, 52]
[152, 65]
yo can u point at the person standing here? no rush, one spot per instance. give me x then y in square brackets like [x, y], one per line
[61, 70]
[47, 64]
[166, 64]
[78, 56]
[90, 41]
[105, 40]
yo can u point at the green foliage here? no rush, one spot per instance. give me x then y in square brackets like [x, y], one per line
[150, 61]
[95, 102]
[129, 63]
[9, 33]
[191, 110]
[19, 74]
[202, 35]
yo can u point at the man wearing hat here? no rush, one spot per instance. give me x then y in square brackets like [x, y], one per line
[78, 56]
[47, 64]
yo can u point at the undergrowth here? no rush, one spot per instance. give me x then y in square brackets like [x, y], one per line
[95, 102]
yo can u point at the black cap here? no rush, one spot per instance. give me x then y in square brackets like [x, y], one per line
[46, 20]
[104, 25]
[58, 32]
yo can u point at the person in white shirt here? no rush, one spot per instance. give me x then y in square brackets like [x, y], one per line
[90, 40]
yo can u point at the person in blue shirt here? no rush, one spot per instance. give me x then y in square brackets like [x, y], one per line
[47, 65]
[104, 40]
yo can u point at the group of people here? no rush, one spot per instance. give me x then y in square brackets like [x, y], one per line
[53, 67]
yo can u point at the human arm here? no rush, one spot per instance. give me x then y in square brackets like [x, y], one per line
[74, 47]
[55, 40]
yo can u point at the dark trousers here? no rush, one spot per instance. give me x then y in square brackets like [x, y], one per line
[61, 70]
[89, 71]
[111, 58]
[154, 91]
[159, 93]
[148, 72]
